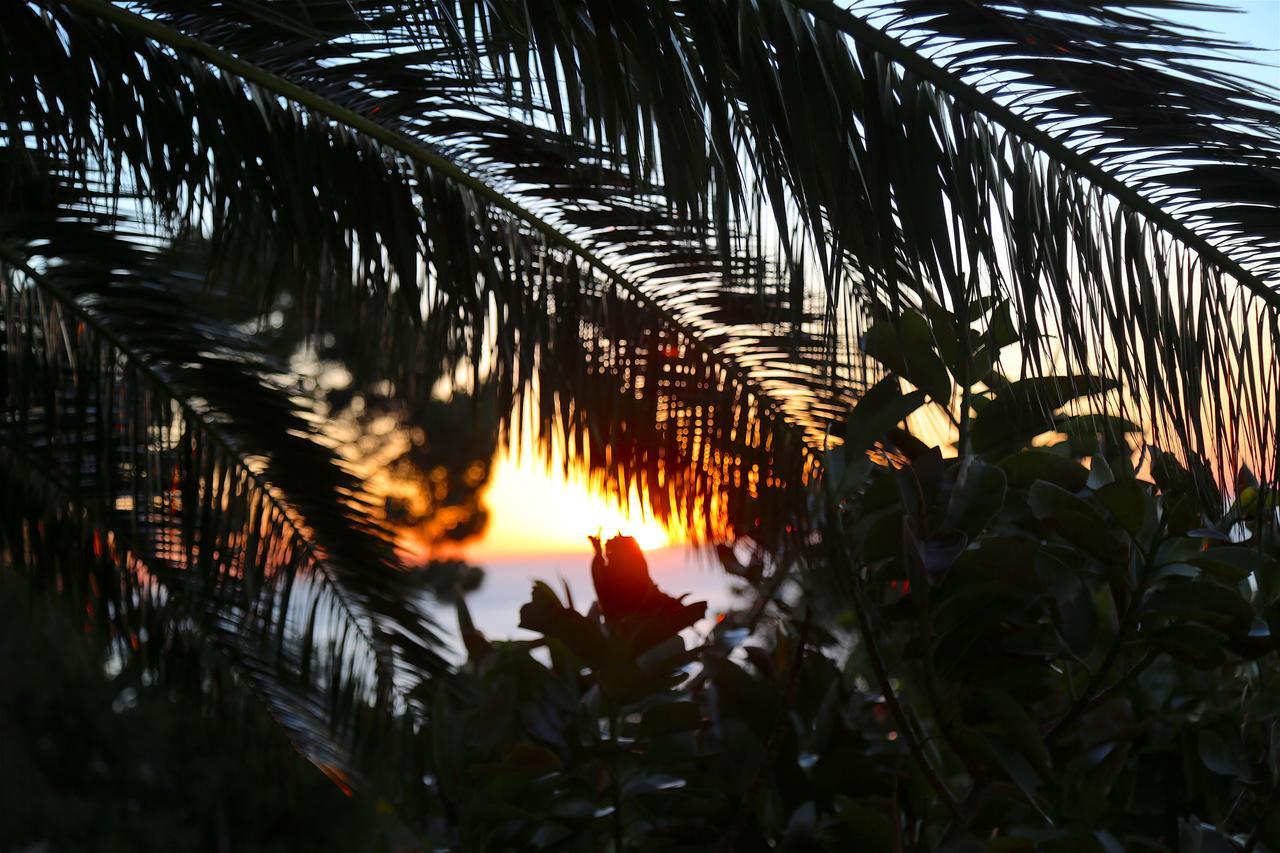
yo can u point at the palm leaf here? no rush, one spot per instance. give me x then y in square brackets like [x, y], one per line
[1127, 257]
[140, 439]
[1115, 192]
[923, 210]
[373, 210]
[1141, 100]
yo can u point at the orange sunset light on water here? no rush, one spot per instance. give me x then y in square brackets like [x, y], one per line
[535, 509]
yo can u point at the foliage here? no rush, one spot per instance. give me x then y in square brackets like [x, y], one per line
[108, 763]
[679, 239]
[1078, 648]
[1028, 646]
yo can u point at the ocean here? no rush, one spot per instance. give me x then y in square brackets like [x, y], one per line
[495, 606]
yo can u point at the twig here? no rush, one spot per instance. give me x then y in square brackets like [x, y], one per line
[615, 793]
[897, 820]
[1128, 622]
[1088, 704]
[1089, 699]
[968, 808]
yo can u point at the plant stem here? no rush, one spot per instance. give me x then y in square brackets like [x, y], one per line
[968, 810]
[615, 792]
[1106, 693]
[931, 683]
[1092, 696]
[1256, 835]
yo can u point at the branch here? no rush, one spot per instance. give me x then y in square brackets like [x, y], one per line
[218, 58]
[975, 100]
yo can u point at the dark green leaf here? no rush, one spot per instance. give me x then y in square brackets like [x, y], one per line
[1028, 466]
[978, 495]
[906, 348]
[1131, 505]
[1223, 755]
[1205, 602]
[671, 717]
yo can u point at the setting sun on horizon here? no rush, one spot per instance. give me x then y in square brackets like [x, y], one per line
[535, 509]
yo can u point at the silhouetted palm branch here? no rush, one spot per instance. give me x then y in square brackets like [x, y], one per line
[158, 473]
[345, 247]
[1080, 160]
[1077, 158]
[386, 208]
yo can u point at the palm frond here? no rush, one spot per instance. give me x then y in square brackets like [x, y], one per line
[1140, 176]
[917, 171]
[377, 208]
[1139, 265]
[139, 441]
[946, 194]
[1137, 96]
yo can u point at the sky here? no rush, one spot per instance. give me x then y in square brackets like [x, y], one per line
[535, 509]
[1255, 22]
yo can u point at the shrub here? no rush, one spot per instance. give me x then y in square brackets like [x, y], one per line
[1046, 642]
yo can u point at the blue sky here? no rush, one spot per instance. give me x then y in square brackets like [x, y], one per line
[1255, 22]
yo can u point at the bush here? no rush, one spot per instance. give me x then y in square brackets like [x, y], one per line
[1048, 641]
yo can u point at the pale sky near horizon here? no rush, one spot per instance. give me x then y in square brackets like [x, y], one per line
[536, 510]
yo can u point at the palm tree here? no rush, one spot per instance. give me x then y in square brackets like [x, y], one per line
[664, 228]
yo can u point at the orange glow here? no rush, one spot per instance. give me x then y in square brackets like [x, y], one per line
[534, 509]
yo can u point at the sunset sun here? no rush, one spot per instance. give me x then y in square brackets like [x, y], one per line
[534, 508]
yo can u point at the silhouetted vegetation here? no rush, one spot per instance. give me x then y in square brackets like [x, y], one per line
[110, 762]
[950, 326]
[1026, 643]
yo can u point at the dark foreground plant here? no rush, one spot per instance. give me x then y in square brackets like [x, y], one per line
[1045, 643]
